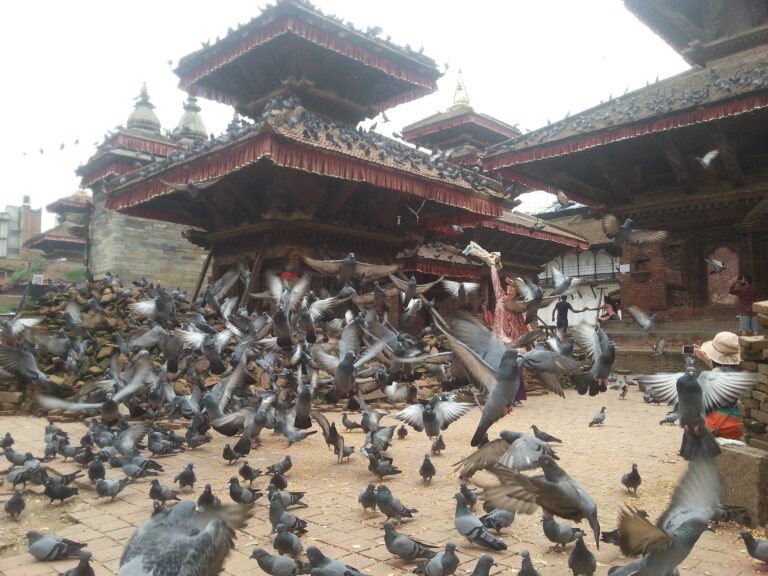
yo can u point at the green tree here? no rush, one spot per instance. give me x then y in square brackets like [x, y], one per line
[22, 273]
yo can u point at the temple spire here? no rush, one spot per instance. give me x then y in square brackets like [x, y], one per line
[143, 117]
[191, 124]
[460, 97]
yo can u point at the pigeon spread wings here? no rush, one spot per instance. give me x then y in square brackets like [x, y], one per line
[719, 388]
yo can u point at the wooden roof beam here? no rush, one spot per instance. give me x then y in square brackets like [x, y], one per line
[565, 181]
[727, 155]
[612, 176]
[340, 198]
[662, 7]
[678, 164]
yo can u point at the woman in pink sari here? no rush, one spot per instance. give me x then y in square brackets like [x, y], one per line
[508, 326]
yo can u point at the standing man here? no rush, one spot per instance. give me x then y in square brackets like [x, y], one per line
[561, 309]
[745, 291]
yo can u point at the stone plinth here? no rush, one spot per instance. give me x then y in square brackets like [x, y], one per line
[745, 480]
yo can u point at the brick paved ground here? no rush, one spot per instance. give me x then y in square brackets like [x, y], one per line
[595, 456]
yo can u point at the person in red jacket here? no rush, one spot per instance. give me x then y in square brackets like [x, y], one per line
[745, 291]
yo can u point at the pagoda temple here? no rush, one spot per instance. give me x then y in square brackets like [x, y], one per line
[68, 240]
[294, 176]
[134, 247]
[644, 156]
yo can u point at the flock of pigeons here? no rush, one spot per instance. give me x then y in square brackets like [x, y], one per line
[304, 352]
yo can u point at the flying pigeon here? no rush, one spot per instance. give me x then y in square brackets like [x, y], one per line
[625, 234]
[706, 160]
[717, 265]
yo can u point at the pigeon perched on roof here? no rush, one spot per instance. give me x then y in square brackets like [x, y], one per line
[183, 541]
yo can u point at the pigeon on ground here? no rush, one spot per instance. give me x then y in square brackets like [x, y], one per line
[329, 566]
[556, 492]
[279, 481]
[161, 493]
[14, 505]
[367, 498]
[543, 436]
[280, 467]
[631, 479]
[229, 455]
[438, 445]
[46, 547]
[348, 423]
[624, 389]
[279, 515]
[286, 542]
[277, 565]
[402, 432]
[756, 547]
[96, 470]
[391, 506]
[598, 419]
[526, 567]
[181, 540]
[483, 566]
[427, 469]
[59, 492]
[498, 519]
[581, 561]
[207, 499]
[404, 547]
[186, 477]
[470, 526]
[289, 498]
[670, 418]
[559, 533]
[442, 564]
[512, 450]
[111, 488]
[668, 543]
[83, 568]
[242, 494]
[248, 474]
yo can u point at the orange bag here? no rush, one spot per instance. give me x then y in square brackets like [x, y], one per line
[725, 425]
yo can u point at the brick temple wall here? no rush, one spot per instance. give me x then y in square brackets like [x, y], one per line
[135, 247]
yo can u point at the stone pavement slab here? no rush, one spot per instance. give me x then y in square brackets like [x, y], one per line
[596, 457]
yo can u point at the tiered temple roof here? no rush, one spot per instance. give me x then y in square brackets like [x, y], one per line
[70, 235]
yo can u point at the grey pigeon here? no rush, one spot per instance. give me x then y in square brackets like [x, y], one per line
[280, 467]
[526, 566]
[186, 477]
[276, 565]
[470, 526]
[402, 432]
[83, 568]
[367, 498]
[161, 493]
[483, 566]
[287, 543]
[631, 479]
[548, 365]
[59, 492]
[404, 547]
[391, 506]
[625, 234]
[543, 436]
[581, 561]
[555, 492]
[14, 505]
[469, 495]
[45, 547]
[249, 474]
[698, 441]
[756, 547]
[647, 323]
[717, 265]
[279, 515]
[438, 445]
[242, 494]
[498, 519]
[207, 499]
[427, 469]
[435, 416]
[512, 450]
[598, 419]
[667, 544]
[329, 566]
[602, 351]
[111, 488]
[443, 564]
[23, 365]
[289, 498]
[182, 541]
[559, 533]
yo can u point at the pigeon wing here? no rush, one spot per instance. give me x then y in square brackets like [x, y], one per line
[646, 236]
[723, 388]
[448, 412]
[557, 276]
[610, 225]
[328, 267]
[483, 458]
[192, 339]
[663, 386]
[640, 317]
[637, 535]
[412, 415]
[145, 309]
[515, 493]
[373, 271]
[326, 361]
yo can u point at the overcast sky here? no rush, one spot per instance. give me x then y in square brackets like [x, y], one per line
[72, 69]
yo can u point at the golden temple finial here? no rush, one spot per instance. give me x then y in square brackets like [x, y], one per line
[460, 97]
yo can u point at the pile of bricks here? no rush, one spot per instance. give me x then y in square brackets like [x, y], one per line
[754, 405]
[10, 403]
